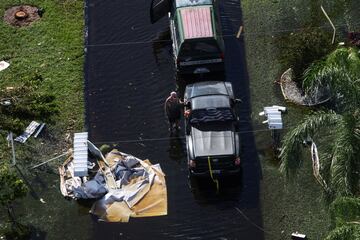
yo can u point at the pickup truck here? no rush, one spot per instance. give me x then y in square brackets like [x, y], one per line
[197, 41]
[211, 125]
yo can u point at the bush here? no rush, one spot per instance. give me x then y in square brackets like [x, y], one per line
[346, 232]
[345, 209]
[17, 231]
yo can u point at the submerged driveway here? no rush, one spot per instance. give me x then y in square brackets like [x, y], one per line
[129, 73]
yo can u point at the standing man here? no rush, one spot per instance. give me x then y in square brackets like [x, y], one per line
[173, 111]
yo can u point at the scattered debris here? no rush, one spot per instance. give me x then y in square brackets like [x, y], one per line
[28, 132]
[5, 102]
[298, 236]
[122, 185]
[239, 32]
[331, 23]
[273, 115]
[8, 138]
[51, 159]
[39, 130]
[4, 65]
[275, 124]
[80, 154]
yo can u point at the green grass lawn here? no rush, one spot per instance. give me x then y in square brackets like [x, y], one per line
[298, 204]
[52, 48]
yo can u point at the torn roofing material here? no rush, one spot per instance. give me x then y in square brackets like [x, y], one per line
[28, 132]
[140, 187]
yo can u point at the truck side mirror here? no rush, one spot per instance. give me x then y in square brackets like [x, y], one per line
[237, 100]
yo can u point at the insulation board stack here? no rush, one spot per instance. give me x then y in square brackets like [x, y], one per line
[80, 154]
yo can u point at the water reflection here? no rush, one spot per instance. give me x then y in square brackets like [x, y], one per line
[205, 190]
[162, 41]
[177, 149]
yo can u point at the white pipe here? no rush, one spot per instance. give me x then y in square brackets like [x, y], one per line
[52, 159]
[12, 149]
[333, 38]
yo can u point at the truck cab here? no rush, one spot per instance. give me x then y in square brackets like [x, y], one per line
[198, 46]
[211, 125]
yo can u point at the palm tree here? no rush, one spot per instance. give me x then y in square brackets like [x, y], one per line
[340, 71]
[345, 214]
[339, 167]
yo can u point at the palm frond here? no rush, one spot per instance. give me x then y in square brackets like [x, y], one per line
[357, 125]
[344, 209]
[343, 162]
[345, 217]
[340, 71]
[315, 75]
[354, 62]
[340, 83]
[347, 58]
[346, 232]
[339, 56]
[292, 142]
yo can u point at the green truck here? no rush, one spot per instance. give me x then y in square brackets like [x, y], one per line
[198, 45]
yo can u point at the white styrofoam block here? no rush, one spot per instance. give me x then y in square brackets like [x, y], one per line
[280, 108]
[274, 118]
[276, 126]
[80, 154]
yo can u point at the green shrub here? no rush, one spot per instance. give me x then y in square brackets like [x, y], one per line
[345, 232]
[345, 209]
[9, 231]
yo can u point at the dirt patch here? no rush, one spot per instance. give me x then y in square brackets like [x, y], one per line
[23, 15]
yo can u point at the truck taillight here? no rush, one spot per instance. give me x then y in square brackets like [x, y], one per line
[222, 56]
[192, 164]
[237, 161]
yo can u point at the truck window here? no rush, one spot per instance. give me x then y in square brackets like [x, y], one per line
[199, 48]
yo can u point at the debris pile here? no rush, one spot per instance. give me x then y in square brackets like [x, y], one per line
[122, 186]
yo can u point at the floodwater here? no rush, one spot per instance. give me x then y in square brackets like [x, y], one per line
[130, 73]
